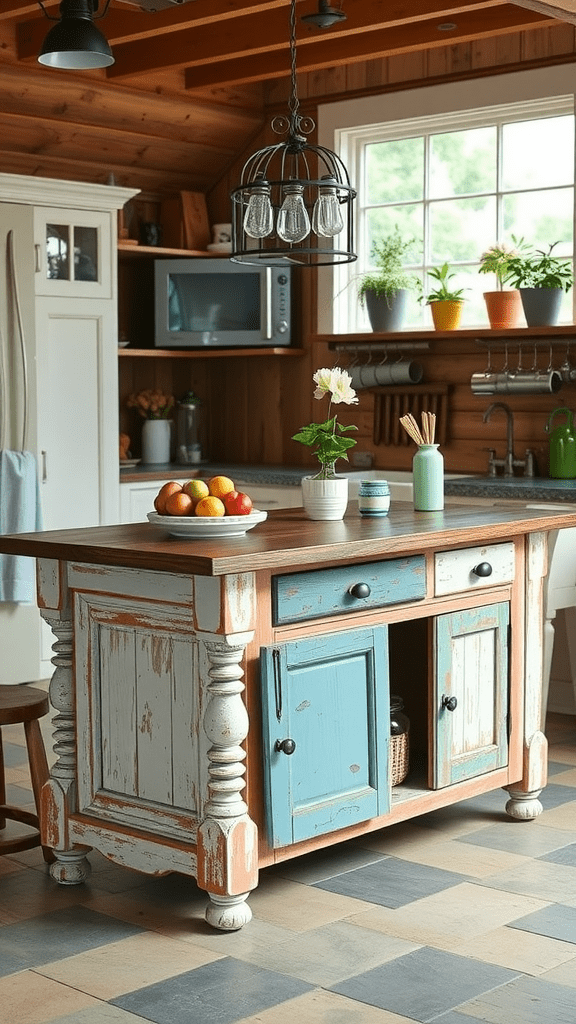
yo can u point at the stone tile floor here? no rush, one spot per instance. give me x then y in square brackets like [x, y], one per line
[459, 916]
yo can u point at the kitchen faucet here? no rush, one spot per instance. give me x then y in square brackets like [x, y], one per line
[509, 462]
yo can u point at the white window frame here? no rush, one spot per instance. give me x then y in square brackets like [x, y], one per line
[540, 93]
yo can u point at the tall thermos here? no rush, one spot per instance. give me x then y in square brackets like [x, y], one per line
[188, 448]
[562, 446]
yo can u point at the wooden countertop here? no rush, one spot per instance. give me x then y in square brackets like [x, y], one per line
[288, 538]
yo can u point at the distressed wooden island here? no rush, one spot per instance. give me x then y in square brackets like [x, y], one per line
[223, 705]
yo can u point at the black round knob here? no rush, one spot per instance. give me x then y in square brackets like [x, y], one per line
[286, 746]
[359, 590]
[482, 569]
[450, 703]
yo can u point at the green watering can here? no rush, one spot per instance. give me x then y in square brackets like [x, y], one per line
[562, 447]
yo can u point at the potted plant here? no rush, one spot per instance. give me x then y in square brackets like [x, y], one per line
[541, 279]
[325, 495]
[445, 302]
[385, 292]
[504, 307]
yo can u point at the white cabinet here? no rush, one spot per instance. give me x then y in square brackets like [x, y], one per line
[59, 304]
[73, 253]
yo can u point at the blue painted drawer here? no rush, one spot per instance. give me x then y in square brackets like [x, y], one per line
[299, 596]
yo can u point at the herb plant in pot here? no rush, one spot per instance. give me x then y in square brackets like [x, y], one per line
[541, 279]
[445, 302]
[385, 292]
[504, 306]
[325, 495]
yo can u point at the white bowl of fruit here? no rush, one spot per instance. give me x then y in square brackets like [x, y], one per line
[204, 508]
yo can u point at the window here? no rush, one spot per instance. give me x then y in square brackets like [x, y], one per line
[456, 183]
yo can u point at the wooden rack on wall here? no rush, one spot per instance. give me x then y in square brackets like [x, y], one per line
[390, 403]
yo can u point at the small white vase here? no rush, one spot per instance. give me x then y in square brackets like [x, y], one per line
[325, 499]
[156, 441]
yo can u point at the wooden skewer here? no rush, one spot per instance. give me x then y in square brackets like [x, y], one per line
[424, 436]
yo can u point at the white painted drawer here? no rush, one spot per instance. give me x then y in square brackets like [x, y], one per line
[454, 570]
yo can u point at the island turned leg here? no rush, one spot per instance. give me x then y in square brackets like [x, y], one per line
[524, 803]
[227, 865]
[59, 795]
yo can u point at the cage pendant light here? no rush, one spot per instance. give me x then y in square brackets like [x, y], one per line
[294, 201]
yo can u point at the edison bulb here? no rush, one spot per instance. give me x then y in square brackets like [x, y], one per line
[293, 221]
[258, 219]
[327, 217]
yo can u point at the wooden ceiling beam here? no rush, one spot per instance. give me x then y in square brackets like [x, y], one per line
[562, 10]
[126, 24]
[350, 50]
[252, 35]
[144, 42]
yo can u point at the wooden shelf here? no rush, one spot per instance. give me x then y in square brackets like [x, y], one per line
[480, 333]
[129, 249]
[205, 353]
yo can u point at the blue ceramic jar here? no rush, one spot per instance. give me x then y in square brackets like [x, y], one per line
[374, 498]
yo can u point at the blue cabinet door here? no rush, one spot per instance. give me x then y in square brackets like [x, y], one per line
[471, 693]
[329, 696]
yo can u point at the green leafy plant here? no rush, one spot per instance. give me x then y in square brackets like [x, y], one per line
[327, 438]
[498, 260]
[443, 293]
[540, 269]
[388, 254]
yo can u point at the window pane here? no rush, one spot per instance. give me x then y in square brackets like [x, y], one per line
[536, 154]
[408, 219]
[394, 171]
[58, 251]
[460, 229]
[541, 218]
[85, 254]
[463, 162]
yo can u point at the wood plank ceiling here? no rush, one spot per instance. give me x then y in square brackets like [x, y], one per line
[187, 90]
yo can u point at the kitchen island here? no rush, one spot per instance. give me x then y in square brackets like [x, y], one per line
[225, 704]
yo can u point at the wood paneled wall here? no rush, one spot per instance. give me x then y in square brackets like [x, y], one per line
[162, 142]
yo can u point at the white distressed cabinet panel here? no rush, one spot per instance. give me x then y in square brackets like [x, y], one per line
[453, 570]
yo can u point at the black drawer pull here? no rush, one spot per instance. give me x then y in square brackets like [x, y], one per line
[286, 746]
[482, 569]
[450, 703]
[359, 590]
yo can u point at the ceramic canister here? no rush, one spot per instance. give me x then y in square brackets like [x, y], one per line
[374, 498]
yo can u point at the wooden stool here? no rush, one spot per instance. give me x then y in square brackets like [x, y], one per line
[24, 704]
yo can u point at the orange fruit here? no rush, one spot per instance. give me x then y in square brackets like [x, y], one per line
[196, 489]
[219, 486]
[179, 504]
[172, 487]
[210, 506]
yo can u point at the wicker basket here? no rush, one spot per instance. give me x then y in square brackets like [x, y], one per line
[399, 749]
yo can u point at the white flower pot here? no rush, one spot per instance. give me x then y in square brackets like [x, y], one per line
[156, 441]
[325, 499]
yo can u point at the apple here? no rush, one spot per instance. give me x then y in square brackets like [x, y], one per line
[196, 489]
[237, 503]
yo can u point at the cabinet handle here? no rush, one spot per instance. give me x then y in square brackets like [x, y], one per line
[450, 703]
[277, 682]
[38, 259]
[482, 569]
[44, 467]
[286, 746]
[359, 590]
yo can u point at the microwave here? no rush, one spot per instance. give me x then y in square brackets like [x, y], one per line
[214, 303]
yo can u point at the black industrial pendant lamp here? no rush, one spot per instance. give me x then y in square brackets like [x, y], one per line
[74, 42]
[294, 201]
[325, 16]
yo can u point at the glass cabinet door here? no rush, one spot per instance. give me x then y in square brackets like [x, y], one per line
[73, 253]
